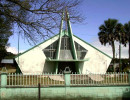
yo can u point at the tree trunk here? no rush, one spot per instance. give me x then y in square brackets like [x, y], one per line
[113, 50]
[129, 51]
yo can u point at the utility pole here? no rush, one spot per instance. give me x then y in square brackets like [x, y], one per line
[18, 46]
[120, 69]
[17, 70]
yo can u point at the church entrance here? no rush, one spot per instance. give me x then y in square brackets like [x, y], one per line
[62, 65]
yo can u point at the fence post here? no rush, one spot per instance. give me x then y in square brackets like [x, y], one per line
[4, 77]
[67, 76]
[129, 77]
[39, 92]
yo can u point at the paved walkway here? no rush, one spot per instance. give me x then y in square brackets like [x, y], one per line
[91, 76]
[57, 78]
[96, 77]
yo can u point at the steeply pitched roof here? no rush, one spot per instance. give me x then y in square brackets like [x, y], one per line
[70, 34]
[93, 47]
[35, 46]
[57, 35]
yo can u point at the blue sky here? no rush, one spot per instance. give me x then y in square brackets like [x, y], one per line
[95, 11]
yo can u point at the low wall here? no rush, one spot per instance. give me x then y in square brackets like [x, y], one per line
[87, 93]
[66, 91]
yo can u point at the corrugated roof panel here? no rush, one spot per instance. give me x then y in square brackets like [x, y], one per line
[7, 61]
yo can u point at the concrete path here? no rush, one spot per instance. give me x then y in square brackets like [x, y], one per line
[96, 77]
[56, 77]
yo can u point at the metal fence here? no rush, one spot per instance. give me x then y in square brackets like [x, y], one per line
[0, 79]
[45, 80]
[99, 79]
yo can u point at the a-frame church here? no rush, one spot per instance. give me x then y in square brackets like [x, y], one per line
[63, 50]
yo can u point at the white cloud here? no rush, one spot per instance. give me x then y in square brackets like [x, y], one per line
[13, 50]
[108, 49]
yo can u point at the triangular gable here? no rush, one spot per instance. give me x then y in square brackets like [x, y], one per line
[36, 46]
[61, 48]
[93, 47]
[57, 35]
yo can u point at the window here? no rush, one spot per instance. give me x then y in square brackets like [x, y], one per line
[65, 43]
[81, 51]
[50, 51]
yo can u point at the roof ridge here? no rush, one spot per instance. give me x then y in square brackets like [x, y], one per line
[34, 46]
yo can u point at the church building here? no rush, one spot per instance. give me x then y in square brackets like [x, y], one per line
[61, 51]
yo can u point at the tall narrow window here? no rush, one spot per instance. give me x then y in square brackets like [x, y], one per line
[65, 43]
[66, 51]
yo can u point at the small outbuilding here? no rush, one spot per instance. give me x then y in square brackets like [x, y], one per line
[7, 63]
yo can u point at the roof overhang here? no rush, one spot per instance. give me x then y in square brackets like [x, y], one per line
[67, 60]
[7, 61]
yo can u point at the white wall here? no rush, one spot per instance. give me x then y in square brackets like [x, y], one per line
[97, 63]
[33, 61]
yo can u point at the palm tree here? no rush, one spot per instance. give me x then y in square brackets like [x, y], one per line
[120, 36]
[127, 34]
[108, 34]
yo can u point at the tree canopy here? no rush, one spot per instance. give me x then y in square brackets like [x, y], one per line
[109, 32]
[5, 33]
[127, 34]
[112, 31]
[38, 18]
